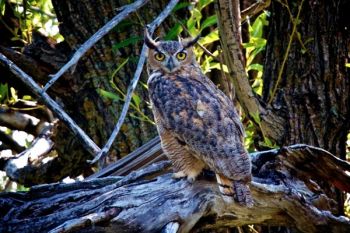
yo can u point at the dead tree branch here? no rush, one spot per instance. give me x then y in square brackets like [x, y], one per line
[50, 103]
[26, 162]
[151, 27]
[125, 11]
[285, 191]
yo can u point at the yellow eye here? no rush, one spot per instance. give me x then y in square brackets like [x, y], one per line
[181, 55]
[159, 56]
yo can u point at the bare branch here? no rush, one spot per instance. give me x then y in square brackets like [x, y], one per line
[31, 157]
[62, 115]
[125, 11]
[255, 8]
[151, 27]
[21, 121]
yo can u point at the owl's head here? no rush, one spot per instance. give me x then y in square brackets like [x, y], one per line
[169, 56]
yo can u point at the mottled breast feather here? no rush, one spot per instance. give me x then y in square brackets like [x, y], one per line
[190, 108]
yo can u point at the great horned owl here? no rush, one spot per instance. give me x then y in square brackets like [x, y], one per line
[197, 123]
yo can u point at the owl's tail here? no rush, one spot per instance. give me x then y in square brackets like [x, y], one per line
[233, 190]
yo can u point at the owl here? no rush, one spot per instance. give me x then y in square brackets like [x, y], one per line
[197, 123]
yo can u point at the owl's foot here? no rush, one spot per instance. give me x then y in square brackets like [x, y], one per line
[190, 175]
[179, 175]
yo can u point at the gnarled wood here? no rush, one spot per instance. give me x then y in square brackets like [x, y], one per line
[285, 191]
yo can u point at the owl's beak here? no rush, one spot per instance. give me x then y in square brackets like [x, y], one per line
[170, 64]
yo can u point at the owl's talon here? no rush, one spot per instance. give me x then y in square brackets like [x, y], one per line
[191, 179]
[179, 175]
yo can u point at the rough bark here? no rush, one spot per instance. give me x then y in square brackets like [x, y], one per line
[313, 90]
[306, 90]
[94, 114]
[286, 192]
[307, 68]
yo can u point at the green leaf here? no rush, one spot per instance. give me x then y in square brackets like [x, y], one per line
[2, 7]
[210, 38]
[3, 92]
[257, 67]
[173, 32]
[256, 117]
[136, 99]
[14, 95]
[124, 43]
[27, 97]
[211, 20]
[258, 25]
[347, 65]
[216, 65]
[204, 3]
[108, 95]
[181, 5]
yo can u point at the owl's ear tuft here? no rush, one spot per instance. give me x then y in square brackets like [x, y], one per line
[188, 42]
[152, 44]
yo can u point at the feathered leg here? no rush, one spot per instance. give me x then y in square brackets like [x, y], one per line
[233, 190]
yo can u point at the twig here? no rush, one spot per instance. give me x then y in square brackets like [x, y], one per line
[125, 11]
[132, 86]
[255, 8]
[62, 115]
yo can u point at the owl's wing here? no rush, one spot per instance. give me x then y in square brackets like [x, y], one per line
[202, 117]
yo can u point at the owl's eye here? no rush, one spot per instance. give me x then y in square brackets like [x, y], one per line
[159, 56]
[181, 55]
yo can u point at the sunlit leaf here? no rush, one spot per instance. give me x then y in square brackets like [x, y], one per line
[136, 99]
[2, 7]
[257, 67]
[173, 32]
[108, 95]
[210, 38]
[14, 96]
[209, 21]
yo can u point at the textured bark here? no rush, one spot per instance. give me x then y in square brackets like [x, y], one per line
[313, 93]
[98, 115]
[312, 101]
[77, 92]
[286, 192]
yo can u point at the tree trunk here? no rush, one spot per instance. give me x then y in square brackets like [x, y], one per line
[307, 70]
[313, 90]
[78, 92]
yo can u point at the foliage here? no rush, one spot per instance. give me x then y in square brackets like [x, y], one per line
[254, 46]
[35, 15]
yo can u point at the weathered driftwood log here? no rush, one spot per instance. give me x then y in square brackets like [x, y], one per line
[287, 191]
